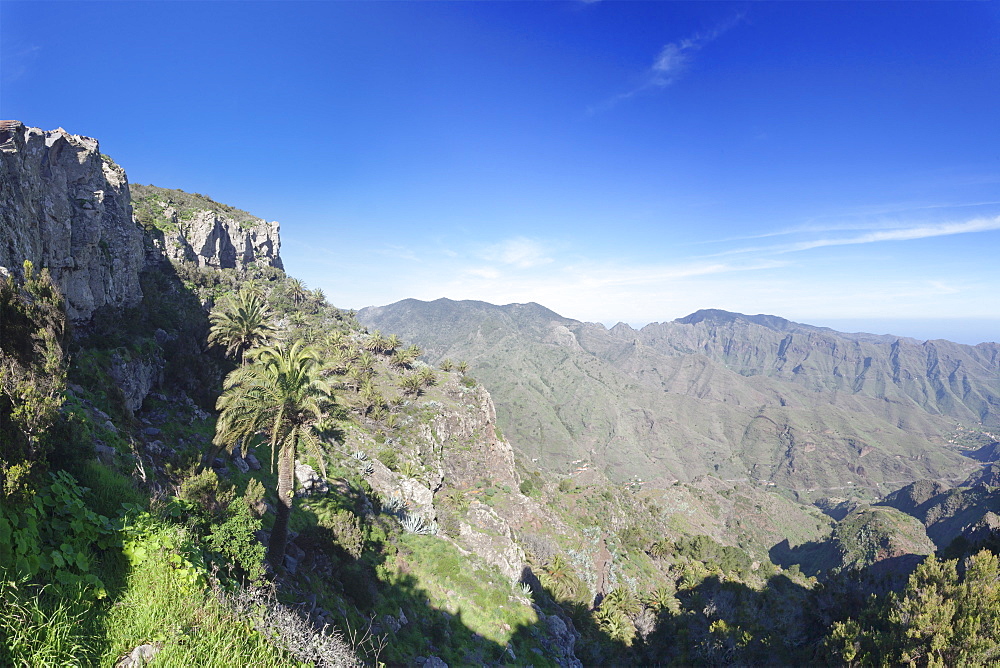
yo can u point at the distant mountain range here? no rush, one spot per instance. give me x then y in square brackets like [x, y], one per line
[808, 409]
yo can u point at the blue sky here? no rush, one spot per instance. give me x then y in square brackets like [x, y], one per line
[836, 164]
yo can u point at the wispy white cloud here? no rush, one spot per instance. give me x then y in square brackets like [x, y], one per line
[399, 252]
[520, 252]
[908, 233]
[673, 60]
[19, 61]
[904, 280]
[488, 273]
[903, 234]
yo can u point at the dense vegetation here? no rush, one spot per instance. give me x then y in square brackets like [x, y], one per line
[137, 519]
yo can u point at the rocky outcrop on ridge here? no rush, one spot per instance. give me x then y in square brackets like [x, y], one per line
[191, 227]
[65, 206]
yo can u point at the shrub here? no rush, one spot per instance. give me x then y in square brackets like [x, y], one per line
[235, 539]
[52, 537]
[208, 495]
[389, 458]
[346, 530]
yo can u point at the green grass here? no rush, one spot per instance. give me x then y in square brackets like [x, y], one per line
[43, 628]
[108, 489]
[192, 626]
[161, 600]
[480, 602]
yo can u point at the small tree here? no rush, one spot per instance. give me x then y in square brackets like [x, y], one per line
[282, 394]
[32, 368]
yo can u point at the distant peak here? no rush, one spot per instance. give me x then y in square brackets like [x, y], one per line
[711, 315]
[719, 317]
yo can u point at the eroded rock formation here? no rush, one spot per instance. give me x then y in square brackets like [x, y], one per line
[65, 206]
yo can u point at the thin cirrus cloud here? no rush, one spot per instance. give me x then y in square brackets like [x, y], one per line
[894, 234]
[672, 61]
[520, 252]
[906, 234]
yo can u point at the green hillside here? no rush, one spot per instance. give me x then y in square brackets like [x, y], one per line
[715, 393]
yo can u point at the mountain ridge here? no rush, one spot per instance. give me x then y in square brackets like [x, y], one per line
[739, 396]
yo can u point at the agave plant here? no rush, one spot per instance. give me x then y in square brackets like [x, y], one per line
[393, 505]
[360, 455]
[416, 524]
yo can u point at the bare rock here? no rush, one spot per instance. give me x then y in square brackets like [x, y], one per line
[309, 480]
[65, 207]
[140, 656]
[291, 564]
[418, 497]
[489, 536]
[252, 461]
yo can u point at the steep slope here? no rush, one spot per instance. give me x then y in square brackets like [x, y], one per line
[941, 377]
[65, 206]
[807, 409]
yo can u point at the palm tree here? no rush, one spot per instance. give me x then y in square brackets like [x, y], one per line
[375, 343]
[366, 362]
[427, 376]
[297, 291]
[558, 577]
[241, 324]
[411, 385]
[403, 358]
[338, 338]
[283, 395]
[463, 367]
[391, 343]
[623, 600]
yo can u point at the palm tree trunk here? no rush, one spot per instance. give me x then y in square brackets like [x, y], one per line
[279, 533]
[202, 463]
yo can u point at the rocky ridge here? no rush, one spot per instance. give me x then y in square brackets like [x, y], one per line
[66, 207]
[194, 228]
[69, 208]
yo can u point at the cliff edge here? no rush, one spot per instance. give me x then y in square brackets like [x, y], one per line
[65, 206]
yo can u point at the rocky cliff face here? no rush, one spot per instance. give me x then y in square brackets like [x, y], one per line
[191, 227]
[66, 207]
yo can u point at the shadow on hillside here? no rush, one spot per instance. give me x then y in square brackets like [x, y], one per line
[987, 454]
[812, 557]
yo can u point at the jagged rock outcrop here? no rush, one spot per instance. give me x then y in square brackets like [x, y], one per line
[136, 375]
[214, 241]
[194, 228]
[418, 498]
[471, 440]
[65, 206]
[490, 536]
